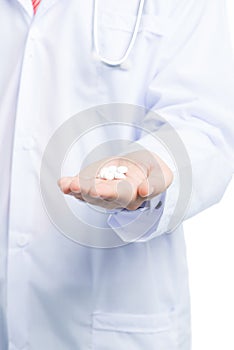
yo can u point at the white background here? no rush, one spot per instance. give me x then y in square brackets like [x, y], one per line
[210, 249]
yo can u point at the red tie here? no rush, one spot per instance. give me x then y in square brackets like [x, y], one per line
[35, 4]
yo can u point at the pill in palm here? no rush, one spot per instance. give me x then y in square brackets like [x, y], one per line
[112, 168]
[113, 172]
[122, 169]
[103, 171]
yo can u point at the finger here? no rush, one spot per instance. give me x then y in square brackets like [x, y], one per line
[86, 187]
[106, 189]
[153, 185]
[75, 185]
[144, 190]
[127, 193]
[64, 184]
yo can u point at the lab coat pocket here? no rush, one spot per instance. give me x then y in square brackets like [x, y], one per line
[116, 30]
[113, 331]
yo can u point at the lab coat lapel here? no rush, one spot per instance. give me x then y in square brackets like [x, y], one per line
[27, 6]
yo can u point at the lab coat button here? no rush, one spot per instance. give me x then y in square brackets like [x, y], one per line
[158, 205]
[22, 240]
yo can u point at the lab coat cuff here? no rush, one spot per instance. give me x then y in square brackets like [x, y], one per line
[137, 225]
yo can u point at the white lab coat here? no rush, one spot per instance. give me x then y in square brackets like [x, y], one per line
[55, 293]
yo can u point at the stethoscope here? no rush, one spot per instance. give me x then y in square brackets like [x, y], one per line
[108, 61]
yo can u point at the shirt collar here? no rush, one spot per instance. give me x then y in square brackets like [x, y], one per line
[43, 7]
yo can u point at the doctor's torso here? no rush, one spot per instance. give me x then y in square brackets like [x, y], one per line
[55, 293]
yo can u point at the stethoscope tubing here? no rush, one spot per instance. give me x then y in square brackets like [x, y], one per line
[108, 61]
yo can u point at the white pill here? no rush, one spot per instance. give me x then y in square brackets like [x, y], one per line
[119, 176]
[113, 172]
[103, 171]
[109, 175]
[112, 168]
[122, 169]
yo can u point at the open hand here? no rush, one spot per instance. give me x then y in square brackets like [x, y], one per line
[147, 176]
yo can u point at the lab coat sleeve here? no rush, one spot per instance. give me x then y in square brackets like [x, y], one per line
[193, 93]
